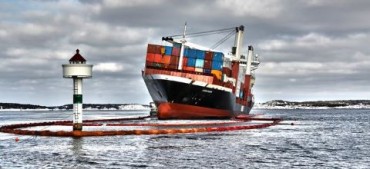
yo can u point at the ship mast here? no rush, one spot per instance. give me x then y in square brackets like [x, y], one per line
[183, 41]
[238, 41]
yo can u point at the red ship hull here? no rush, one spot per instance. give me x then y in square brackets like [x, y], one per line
[182, 111]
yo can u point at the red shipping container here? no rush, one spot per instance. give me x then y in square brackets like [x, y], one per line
[184, 62]
[157, 58]
[171, 66]
[192, 69]
[174, 60]
[166, 59]
[175, 51]
[207, 64]
[156, 49]
[150, 57]
[209, 55]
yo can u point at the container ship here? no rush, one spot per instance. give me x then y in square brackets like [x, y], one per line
[188, 81]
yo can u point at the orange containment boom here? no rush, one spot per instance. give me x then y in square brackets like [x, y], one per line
[193, 127]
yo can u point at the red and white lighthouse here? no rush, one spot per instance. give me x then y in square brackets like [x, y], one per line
[77, 69]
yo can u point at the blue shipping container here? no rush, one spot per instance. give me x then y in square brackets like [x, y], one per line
[201, 54]
[208, 71]
[192, 53]
[217, 65]
[191, 62]
[199, 63]
[186, 52]
[218, 56]
[168, 50]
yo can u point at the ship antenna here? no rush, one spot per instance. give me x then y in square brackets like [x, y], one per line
[183, 35]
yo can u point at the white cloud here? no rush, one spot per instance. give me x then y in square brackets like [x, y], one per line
[108, 67]
[260, 8]
[100, 34]
[315, 41]
[274, 44]
[312, 40]
[310, 68]
[129, 3]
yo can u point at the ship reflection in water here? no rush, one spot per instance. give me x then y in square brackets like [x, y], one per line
[319, 139]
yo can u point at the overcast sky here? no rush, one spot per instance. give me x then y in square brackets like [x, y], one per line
[309, 49]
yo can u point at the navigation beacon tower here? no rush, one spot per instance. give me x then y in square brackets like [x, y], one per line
[77, 69]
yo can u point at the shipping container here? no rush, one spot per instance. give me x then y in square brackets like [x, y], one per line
[187, 68]
[174, 60]
[218, 56]
[175, 51]
[200, 70]
[172, 66]
[207, 71]
[209, 55]
[156, 49]
[216, 65]
[191, 62]
[192, 53]
[150, 57]
[184, 62]
[177, 45]
[186, 52]
[166, 59]
[199, 63]
[207, 64]
[163, 50]
[217, 73]
[157, 58]
[168, 50]
[201, 54]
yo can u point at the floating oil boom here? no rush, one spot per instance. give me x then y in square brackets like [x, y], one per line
[77, 69]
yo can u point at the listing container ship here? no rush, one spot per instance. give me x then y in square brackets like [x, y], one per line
[188, 81]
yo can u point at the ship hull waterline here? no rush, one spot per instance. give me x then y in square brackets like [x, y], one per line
[180, 98]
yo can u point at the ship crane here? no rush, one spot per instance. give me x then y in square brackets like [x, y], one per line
[255, 62]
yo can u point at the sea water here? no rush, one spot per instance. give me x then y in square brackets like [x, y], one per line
[329, 138]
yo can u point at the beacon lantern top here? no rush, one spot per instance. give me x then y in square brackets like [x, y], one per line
[77, 58]
[77, 67]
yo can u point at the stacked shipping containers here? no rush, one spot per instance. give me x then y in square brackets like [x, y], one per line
[194, 60]
[207, 62]
[162, 56]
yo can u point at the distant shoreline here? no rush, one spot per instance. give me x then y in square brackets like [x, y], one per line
[335, 104]
[274, 104]
[86, 107]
